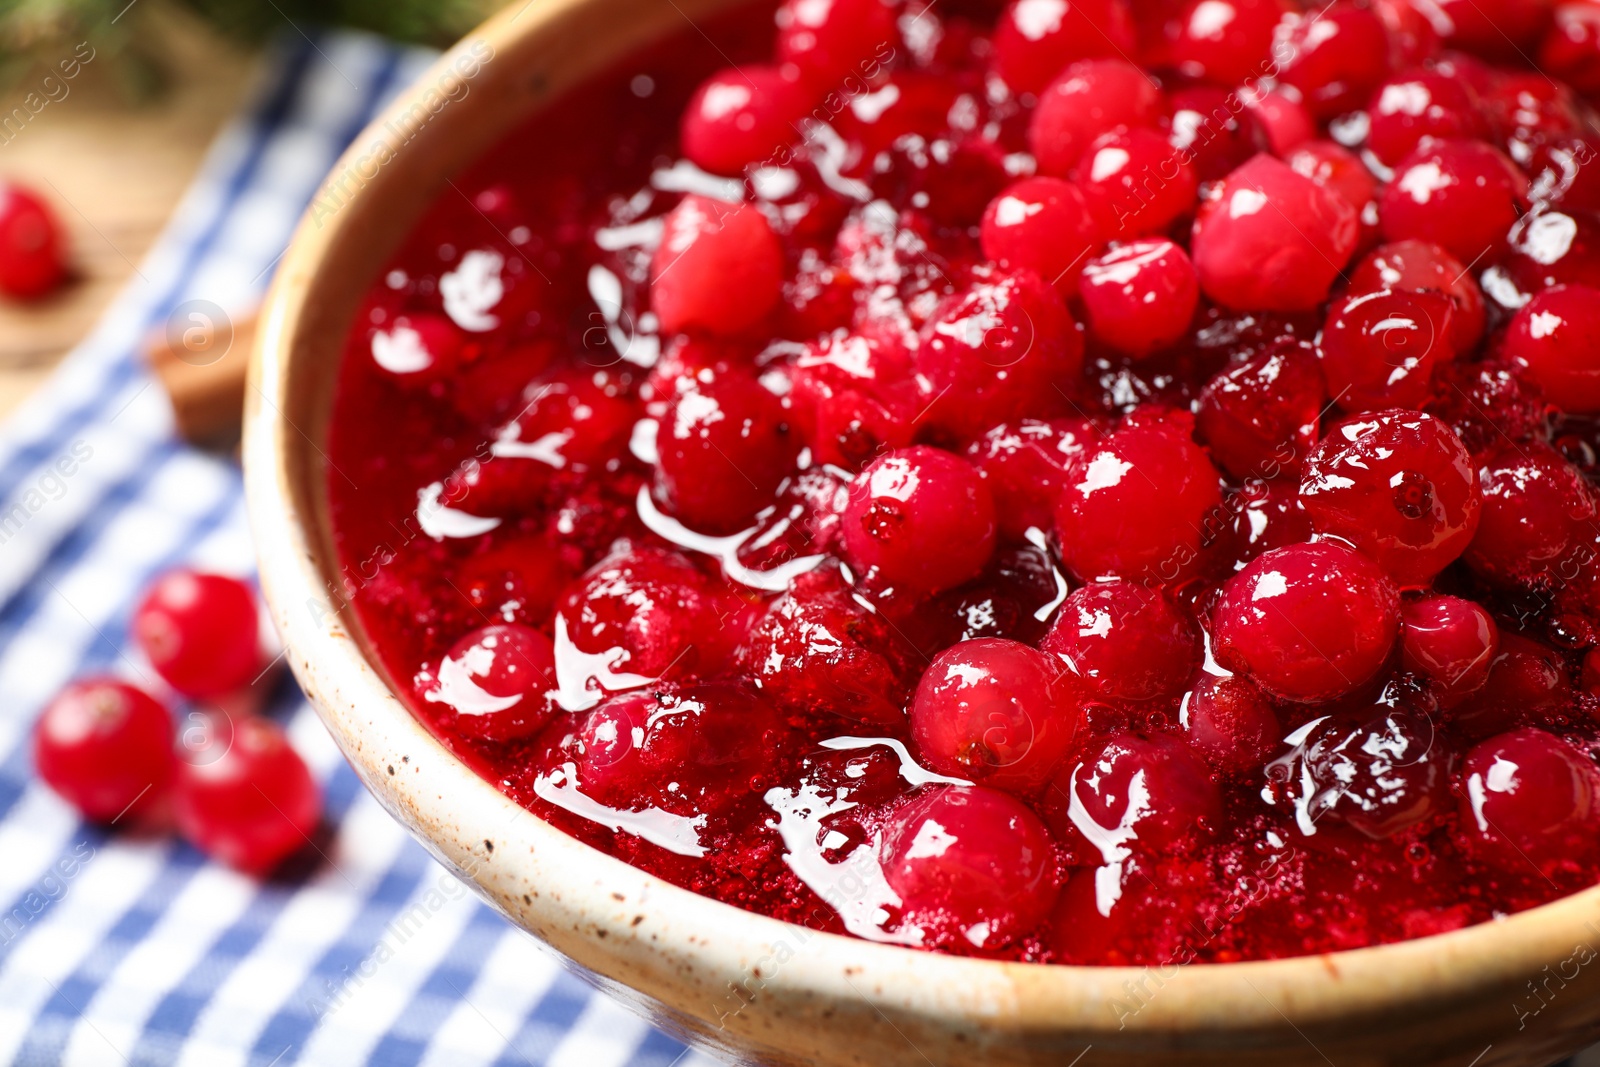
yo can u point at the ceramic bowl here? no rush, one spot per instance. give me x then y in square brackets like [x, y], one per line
[1523, 991]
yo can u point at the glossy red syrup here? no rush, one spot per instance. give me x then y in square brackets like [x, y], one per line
[1086, 482]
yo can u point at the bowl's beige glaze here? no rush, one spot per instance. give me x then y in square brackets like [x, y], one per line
[1519, 992]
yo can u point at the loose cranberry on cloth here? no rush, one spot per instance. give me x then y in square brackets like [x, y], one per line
[253, 803]
[106, 747]
[201, 632]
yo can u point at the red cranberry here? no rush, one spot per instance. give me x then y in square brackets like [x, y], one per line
[418, 349]
[1136, 504]
[1462, 195]
[1279, 120]
[1528, 796]
[1044, 225]
[724, 447]
[1527, 683]
[1128, 642]
[719, 267]
[490, 388]
[855, 393]
[253, 805]
[1570, 50]
[1089, 98]
[908, 103]
[1423, 265]
[990, 353]
[1559, 173]
[804, 519]
[1450, 640]
[1492, 27]
[1119, 921]
[1267, 238]
[516, 580]
[1412, 34]
[830, 40]
[741, 118]
[1260, 418]
[1229, 722]
[1398, 485]
[1488, 404]
[1537, 519]
[1148, 182]
[1555, 340]
[1307, 623]
[495, 682]
[818, 651]
[1381, 349]
[575, 420]
[693, 750]
[1266, 515]
[951, 180]
[1036, 39]
[1025, 464]
[1338, 169]
[919, 519]
[1225, 41]
[1337, 56]
[1006, 600]
[105, 747]
[1210, 131]
[1140, 296]
[1548, 248]
[1528, 109]
[1379, 773]
[650, 604]
[32, 260]
[200, 631]
[973, 867]
[996, 712]
[1416, 104]
[1136, 794]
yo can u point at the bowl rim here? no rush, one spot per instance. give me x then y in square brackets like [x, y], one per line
[576, 892]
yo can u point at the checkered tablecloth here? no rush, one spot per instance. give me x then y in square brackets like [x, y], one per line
[116, 949]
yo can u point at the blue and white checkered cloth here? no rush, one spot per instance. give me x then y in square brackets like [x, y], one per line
[116, 949]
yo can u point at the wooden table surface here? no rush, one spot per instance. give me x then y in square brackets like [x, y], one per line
[114, 171]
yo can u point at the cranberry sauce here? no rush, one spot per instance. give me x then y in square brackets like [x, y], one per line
[1087, 481]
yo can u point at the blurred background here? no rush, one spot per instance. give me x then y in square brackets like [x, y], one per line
[114, 147]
